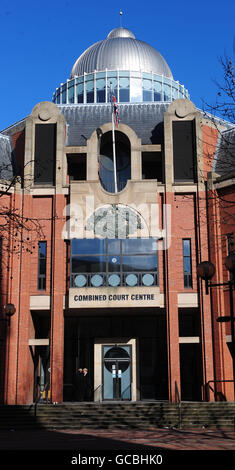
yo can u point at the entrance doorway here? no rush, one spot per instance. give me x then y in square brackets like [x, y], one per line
[85, 338]
[115, 369]
[117, 372]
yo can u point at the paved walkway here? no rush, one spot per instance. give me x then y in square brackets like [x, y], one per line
[87, 439]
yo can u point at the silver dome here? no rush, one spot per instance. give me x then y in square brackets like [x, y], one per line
[121, 51]
[120, 33]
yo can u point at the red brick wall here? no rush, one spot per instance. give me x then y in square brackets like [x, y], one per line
[209, 139]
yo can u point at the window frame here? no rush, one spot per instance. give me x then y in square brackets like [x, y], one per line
[121, 267]
[41, 280]
[188, 278]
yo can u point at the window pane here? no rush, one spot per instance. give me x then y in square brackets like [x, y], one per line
[167, 92]
[174, 93]
[100, 90]
[124, 73]
[186, 247]
[42, 266]
[114, 246]
[113, 263]
[139, 245]
[71, 92]
[88, 246]
[147, 75]
[157, 91]
[90, 89]
[112, 82]
[42, 248]
[147, 90]
[124, 89]
[139, 263]
[64, 94]
[136, 90]
[79, 89]
[136, 74]
[100, 75]
[58, 97]
[181, 92]
[187, 265]
[88, 264]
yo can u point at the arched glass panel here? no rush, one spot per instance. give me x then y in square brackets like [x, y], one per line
[175, 92]
[90, 88]
[127, 86]
[167, 92]
[147, 89]
[124, 87]
[136, 90]
[80, 89]
[100, 87]
[111, 81]
[182, 90]
[71, 91]
[157, 90]
[64, 91]
[57, 99]
[123, 161]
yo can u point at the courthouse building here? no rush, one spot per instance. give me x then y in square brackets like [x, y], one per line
[114, 219]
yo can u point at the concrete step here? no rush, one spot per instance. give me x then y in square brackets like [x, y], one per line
[137, 415]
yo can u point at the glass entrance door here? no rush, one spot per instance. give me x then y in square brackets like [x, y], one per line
[117, 372]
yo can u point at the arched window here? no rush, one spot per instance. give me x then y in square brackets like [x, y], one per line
[123, 161]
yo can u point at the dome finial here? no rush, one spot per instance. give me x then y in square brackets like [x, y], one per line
[121, 13]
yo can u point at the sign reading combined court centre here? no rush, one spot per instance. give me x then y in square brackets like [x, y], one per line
[118, 297]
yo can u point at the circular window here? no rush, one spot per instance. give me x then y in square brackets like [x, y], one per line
[148, 279]
[80, 280]
[117, 352]
[97, 280]
[114, 280]
[131, 280]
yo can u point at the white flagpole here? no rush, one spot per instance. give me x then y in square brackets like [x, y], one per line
[114, 146]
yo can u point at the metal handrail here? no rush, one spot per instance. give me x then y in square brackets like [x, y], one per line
[178, 400]
[38, 397]
[207, 385]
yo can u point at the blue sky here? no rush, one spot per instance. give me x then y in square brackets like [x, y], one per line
[40, 42]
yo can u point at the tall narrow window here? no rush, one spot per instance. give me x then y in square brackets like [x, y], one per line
[123, 161]
[187, 261]
[184, 145]
[42, 257]
[45, 154]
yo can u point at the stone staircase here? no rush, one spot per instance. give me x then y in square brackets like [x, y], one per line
[138, 415]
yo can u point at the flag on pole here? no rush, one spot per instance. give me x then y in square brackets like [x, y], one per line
[115, 110]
